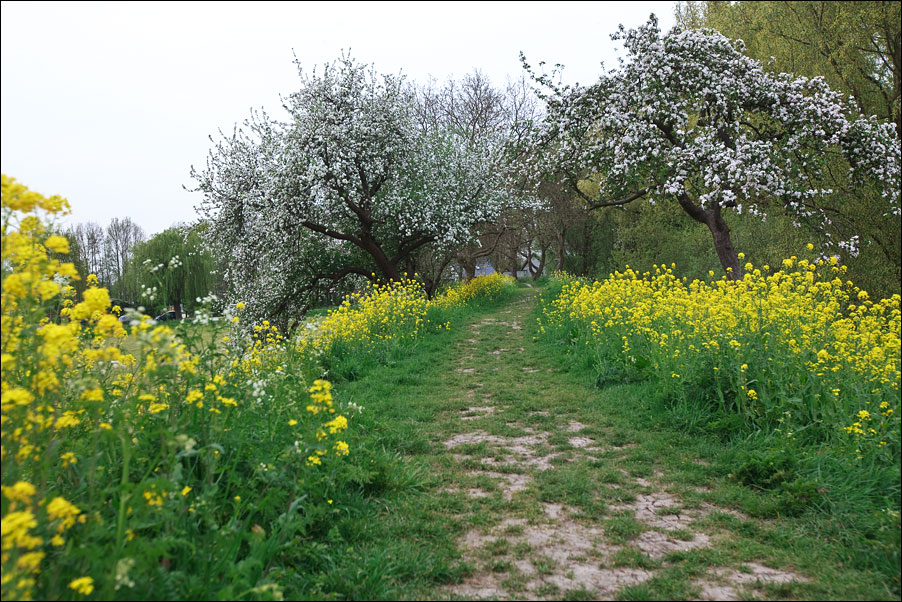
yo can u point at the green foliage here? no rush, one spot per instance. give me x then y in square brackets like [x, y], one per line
[77, 256]
[592, 242]
[657, 234]
[764, 242]
[177, 266]
[774, 466]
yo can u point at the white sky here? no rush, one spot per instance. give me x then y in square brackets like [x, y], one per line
[109, 104]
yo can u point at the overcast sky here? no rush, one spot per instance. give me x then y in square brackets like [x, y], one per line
[109, 104]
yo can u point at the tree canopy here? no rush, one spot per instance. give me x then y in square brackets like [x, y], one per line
[688, 118]
[349, 183]
[855, 46]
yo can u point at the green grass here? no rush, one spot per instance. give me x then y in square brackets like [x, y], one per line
[403, 508]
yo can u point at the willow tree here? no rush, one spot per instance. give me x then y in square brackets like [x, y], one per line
[348, 184]
[177, 265]
[688, 119]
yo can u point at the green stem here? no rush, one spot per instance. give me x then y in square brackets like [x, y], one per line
[109, 590]
[123, 497]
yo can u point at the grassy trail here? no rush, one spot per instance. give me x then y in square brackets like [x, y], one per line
[520, 481]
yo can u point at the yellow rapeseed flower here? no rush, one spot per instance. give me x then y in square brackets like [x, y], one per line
[21, 491]
[82, 585]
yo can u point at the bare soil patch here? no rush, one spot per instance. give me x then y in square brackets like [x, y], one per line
[563, 555]
[508, 483]
[575, 426]
[474, 412]
[731, 584]
[517, 452]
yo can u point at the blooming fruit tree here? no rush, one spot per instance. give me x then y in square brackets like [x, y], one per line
[348, 184]
[688, 118]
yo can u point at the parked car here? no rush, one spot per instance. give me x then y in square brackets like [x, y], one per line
[166, 316]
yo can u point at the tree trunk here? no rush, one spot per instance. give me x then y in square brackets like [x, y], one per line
[561, 248]
[386, 266]
[515, 259]
[541, 268]
[527, 261]
[432, 281]
[723, 246]
[468, 264]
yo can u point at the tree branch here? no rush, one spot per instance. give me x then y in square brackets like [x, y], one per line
[347, 271]
[410, 245]
[694, 211]
[332, 233]
[623, 201]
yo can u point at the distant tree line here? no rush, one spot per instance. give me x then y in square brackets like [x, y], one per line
[173, 268]
[107, 253]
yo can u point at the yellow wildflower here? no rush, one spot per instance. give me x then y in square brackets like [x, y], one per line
[83, 585]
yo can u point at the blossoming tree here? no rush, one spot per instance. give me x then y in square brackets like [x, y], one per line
[688, 118]
[349, 184]
[486, 117]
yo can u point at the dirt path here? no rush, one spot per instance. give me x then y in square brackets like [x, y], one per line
[564, 504]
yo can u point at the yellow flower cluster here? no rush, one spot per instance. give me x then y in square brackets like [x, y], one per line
[482, 287]
[70, 391]
[265, 334]
[265, 349]
[396, 311]
[321, 402]
[320, 397]
[38, 356]
[22, 553]
[17, 197]
[799, 340]
[393, 311]
[875, 428]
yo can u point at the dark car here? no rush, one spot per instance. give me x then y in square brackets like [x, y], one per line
[165, 317]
